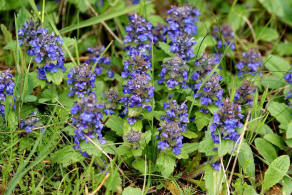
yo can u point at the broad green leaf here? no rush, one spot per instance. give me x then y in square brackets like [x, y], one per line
[202, 44]
[189, 134]
[276, 171]
[273, 82]
[116, 124]
[266, 149]
[186, 149]
[132, 191]
[98, 19]
[266, 34]
[165, 48]
[66, 156]
[281, 112]
[284, 48]
[289, 131]
[114, 182]
[236, 16]
[202, 120]
[6, 5]
[139, 164]
[277, 65]
[165, 164]
[55, 77]
[276, 140]
[207, 145]
[224, 147]
[246, 160]
[280, 8]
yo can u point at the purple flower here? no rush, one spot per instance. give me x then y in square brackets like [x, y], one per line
[81, 81]
[87, 119]
[216, 165]
[226, 122]
[250, 63]
[174, 72]
[172, 125]
[44, 47]
[30, 122]
[181, 29]
[224, 36]
[6, 88]
[244, 95]
[102, 63]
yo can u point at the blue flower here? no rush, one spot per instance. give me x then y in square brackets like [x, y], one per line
[102, 63]
[288, 77]
[87, 119]
[172, 125]
[224, 36]
[81, 81]
[181, 29]
[243, 95]
[226, 122]
[250, 63]
[45, 48]
[30, 122]
[6, 88]
[174, 72]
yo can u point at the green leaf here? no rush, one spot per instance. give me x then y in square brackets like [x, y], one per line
[276, 172]
[132, 191]
[289, 131]
[266, 149]
[202, 120]
[266, 34]
[101, 18]
[246, 160]
[139, 164]
[12, 120]
[284, 49]
[275, 140]
[165, 164]
[55, 77]
[114, 182]
[281, 112]
[6, 5]
[116, 124]
[190, 134]
[186, 149]
[280, 8]
[66, 156]
[273, 82]
[207, 145]
[236, 16]
[277, 65]
[224, 147]
[165, 48]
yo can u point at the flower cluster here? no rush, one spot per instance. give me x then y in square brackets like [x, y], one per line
[45, 48]
[87, 119]
[30, 122]
[224, 36]
[182, 20]
[174, 72]
[81, 81]
[138, 90]
[206, 64]
[226, 122]
[250, 63]
[181, 29]
[103, 63]
[6, 88]
[112, 97]
[172, 125]
[139, 36]
[244, 94]
[159, 31]
[133, 137]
